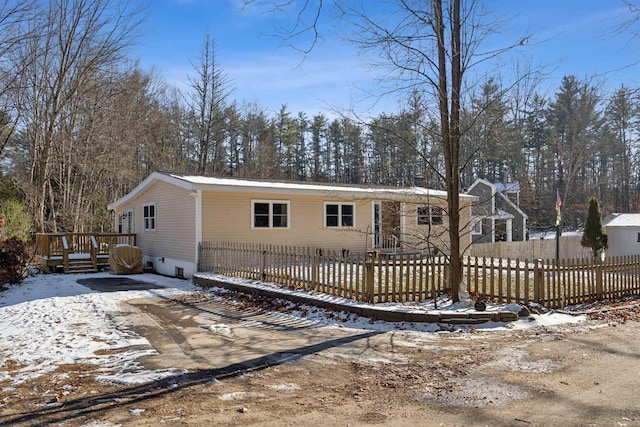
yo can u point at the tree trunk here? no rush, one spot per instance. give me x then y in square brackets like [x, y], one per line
[450, 130]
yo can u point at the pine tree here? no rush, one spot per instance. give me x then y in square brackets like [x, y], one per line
[594, 236]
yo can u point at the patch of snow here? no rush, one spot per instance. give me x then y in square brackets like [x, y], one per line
[51, 320]
[476, 391]
[444, 305]
[100, 424]
[219, 329]
[240, 395]
[139, 376]
[286, 387]
[365, 357]
[513, 359]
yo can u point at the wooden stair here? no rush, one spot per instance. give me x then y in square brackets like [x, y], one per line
[84, 265]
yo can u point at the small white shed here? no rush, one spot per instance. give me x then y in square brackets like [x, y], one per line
[623, 231]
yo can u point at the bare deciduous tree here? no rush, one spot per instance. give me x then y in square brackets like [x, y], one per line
[430, 46]
[211, 88]
[13, 31]
[72, 42]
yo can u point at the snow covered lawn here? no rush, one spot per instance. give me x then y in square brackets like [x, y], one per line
[51, 320]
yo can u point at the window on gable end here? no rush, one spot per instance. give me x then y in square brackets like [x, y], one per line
[149, 216]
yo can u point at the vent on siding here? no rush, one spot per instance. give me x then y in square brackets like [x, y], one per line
[179, 272]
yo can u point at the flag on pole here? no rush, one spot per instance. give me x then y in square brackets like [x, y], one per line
[558, 205]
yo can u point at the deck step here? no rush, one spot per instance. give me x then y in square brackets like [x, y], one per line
[81, 266]
[92, 270]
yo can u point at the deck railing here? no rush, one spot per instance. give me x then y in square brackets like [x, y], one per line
[51, 244]
[415, 277]
[55, 249]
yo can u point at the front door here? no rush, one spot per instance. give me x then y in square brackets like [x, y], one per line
[391, 219]
[386, 225]
[377, 225]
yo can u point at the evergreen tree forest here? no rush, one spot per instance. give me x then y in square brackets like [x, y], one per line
[81, 125]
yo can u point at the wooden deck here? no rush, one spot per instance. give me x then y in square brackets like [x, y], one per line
[77, 252]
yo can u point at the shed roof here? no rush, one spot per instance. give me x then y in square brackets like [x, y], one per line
[622, 220]
[197, 182]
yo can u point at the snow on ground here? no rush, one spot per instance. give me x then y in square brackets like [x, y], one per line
[50, 320]
[444, 304]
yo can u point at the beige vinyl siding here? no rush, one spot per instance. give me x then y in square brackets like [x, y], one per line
[174, 236]
[227, 217]
[423, 237]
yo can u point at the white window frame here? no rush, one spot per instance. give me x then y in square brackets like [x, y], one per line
[340, 205]
[476, 226]
[430, 216]
[128, 222]
[149, 222]
[270, 203]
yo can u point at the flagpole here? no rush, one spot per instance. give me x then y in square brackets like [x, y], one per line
[557, 244]
[558, 221]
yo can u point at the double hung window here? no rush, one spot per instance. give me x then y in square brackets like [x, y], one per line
[149, 216]
[270, 214]
[339, 214]
[430, 215]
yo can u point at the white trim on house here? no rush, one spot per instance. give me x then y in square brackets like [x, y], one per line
[197, 195]
[270, 214]
[433, 211]
[149, 221]
[476, 225]
[130, 221]
[339, 222]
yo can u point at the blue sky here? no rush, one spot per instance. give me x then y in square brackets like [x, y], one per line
[567, 37]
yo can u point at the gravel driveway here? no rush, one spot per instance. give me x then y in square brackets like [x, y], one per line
[248, 366]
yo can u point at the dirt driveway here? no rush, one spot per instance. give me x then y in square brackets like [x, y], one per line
[246, 366]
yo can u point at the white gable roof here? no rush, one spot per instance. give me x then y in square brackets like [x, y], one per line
[622, 220]
[195, 182]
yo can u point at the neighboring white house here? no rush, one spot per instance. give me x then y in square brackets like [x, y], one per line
[173, 213]
[623, 231]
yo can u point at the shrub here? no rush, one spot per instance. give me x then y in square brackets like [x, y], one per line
[19, 222]
[594, 236]
[13, 260]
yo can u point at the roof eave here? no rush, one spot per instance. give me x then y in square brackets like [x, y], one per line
[417, 194]
[146, 183]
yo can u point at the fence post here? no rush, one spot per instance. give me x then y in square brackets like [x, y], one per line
[314, 270]
[263, 273]
[369, 276]
[538, 281]
[599, 281]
